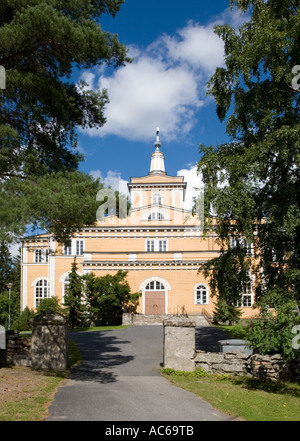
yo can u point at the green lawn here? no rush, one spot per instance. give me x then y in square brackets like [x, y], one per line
[244, 398]
[25, 394]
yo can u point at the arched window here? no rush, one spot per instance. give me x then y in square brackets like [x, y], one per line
[155, 285]
[65, 287]
[157, 199]
[201, 295]
[156, 216]
[41, 291]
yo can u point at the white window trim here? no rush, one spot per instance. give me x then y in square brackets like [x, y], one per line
[43, 287]
[76, 248]
[246, 294]
[207, 294]
[154, 196]
[156, 245]
[156, 211]
[80, 247]
[41, 255]
[243, 243]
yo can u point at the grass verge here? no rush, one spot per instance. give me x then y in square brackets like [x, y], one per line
[25, 394]
[242, 397]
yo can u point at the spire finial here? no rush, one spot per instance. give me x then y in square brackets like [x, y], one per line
[157, 143]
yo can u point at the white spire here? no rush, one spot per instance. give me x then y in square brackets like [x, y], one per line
[157, 158]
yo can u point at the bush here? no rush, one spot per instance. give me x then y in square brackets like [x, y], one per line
[50, 304]
[22, 323]
[198, 373]
[273, 332]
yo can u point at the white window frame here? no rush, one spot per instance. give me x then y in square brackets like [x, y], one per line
[156, 245]
[248, 247]
[157, 199]
[41, 291]
[156, 215]
[79, 247]
[247, 294]
[150, 246]
[155, 285]
[65, 284]
[67, 250]
[41, 255]
[200, 288]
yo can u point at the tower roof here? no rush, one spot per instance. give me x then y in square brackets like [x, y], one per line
[157, 159]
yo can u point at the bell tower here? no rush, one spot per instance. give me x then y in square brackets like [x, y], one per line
[157, 159]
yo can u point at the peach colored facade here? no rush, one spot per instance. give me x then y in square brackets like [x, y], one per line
[159, 243]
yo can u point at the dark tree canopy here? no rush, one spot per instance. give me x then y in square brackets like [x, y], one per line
[253, 181]
[41, 43]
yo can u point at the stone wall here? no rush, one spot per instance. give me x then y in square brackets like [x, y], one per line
[180, 354]
[46, 349]
[49, 347]
[236, 363]
[17, 352]
[130, 319]
[263, 367]
[179, 343]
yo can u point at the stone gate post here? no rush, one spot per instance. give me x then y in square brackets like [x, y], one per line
[49, 347]
[179, 343]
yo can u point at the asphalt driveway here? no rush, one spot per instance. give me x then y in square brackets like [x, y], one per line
[119, 380]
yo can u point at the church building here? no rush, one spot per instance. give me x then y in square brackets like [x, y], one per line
[159, 243]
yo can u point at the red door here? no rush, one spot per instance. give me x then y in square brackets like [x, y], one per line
[155, 302]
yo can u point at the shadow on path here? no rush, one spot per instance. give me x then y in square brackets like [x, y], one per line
[207, 338]
[100, 352]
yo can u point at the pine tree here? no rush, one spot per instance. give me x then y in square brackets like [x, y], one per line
[74, 298]
[41, 44]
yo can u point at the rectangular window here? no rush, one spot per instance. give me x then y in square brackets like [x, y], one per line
[156, 245]
[150, 245]
[247, 296]
[67, 250]
[38, 256]
[79, 247]
[41, 255]
[162, 245]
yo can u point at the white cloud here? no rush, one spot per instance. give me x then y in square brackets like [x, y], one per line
[113, 179]
[164, 86]
[194, 183]
[147, 94]
[198, 46]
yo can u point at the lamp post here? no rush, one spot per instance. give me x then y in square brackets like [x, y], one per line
[9, 286]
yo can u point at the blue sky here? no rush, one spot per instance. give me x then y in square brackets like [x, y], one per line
[175, 52]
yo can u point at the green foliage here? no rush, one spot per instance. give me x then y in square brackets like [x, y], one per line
[253, 181]
[22, 323]
[273, 332]
[9, 268]
[74, 298]
[14, 307]
[198, 373]
[62, 203]
[227, 277]
[107, 296]
[226, 312]
[41, 43]
[50, 304]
